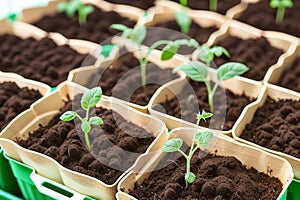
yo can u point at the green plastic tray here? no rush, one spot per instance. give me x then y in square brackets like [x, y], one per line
[293, 192]
[34, 186]
[8, 182]
[8, 196]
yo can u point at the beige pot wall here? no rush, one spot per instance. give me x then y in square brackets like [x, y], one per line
[247, 115]
[41, 112]
[82, 75]
[223, 146]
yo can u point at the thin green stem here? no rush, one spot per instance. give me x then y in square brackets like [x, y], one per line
[87, 114]
[184, 155]
[183, 3]
[144, 60]
[211, 96]
[79, 117]
[213, 5]
[87, 141]
[280, 14]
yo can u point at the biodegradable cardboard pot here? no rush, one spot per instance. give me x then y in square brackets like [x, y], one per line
[82, 76]
[41, 113]
[223, 146]
[241, 85]
[247, 115]
[278, 40]
[165, 12]
[31, 15]
[177, 6]
[274, 75]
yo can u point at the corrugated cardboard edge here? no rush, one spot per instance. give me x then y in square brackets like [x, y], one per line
[250, 87]
[247, 115]
[249, 156]
[80, 76]
[41, 112]
[275, 73]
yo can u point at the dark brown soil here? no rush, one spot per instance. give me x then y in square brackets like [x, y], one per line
[126, 80]
[223, 5]
[276, 125]
[197, 32]
[14, 100]
[257, 54]
[217, 177]
[254, 14]
[42, 60]
[183, 108]
[290, 77]
[97, 28]
[146, 4]
[63, 142]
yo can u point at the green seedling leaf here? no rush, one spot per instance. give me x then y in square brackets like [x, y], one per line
[185, 42]
[184, 21]
[183, 2]
[169, 51]
[120, 27]
[73, 6]
[96, 121]
[85, 126]
[196, 71]
[189, 177]
[62, 6]
[68, 116]
[203, 138]
[230, 70]
[219, 51]
[138, 34]
[172, 145]
[204, 115]
[281, 3]
[83, 13]
[91, 98]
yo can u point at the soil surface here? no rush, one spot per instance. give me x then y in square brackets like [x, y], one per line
[126, 80]
[276, 125]
[41, 60]
[217, 177]
[184, 107]
[257, 54]
[146, 4]
[196, 32]
[290, 77]
[63, 142]
[14, 100]
[97, 29]
[254, 14]
[223, 5]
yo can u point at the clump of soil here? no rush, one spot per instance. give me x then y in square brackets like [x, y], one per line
[223, 5]
[255, 12]
[290, 77]
[257, 54]
[41, 60]
[14, 100]
[145, 5]
[112, 143]
[126, 80]
[184, 107]
[97, 28]
[217, 177]
[276, 125]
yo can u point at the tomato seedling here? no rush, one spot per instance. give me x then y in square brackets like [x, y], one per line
[88, 100]
[281, 5]
[182, 18]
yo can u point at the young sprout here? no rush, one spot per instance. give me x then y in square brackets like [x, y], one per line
[281, 5]
[197, 71]
[213, 5]
[137, 36]
[201, 139]
[183, 19]
[70, 8]
[88, 100]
